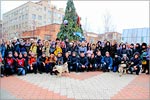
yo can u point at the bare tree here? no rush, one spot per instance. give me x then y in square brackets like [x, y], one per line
[108, 26]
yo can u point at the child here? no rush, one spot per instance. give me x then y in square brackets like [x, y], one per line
[21, 65]
[1, 66]
[9, 64]
[32, 64]
[41, 63]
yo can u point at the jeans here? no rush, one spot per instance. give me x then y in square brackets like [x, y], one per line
[21, 71]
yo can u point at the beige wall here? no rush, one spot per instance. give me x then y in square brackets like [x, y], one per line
[11, 25]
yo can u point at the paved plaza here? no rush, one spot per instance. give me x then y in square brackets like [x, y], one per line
[86, 85]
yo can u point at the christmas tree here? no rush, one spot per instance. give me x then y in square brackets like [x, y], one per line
[70, 27]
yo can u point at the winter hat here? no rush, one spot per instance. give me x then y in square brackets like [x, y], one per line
[24, 52]
[144, 44]
[9, 52]
[132, 44]
[137, 53]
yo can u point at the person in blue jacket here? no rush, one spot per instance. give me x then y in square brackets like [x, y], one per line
[107, 62]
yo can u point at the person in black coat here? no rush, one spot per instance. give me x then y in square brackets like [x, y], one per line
[98, 60]
[135, 63]
[92, 63]
[137, 48]
[39, 49]
[131, 50]
[75, 47]
[41, 63]
[113, 50]
[26, 57]
[116, 62]
[106, 48]
[83, 62]
[123, 51]
[67, 58]
[74, 62]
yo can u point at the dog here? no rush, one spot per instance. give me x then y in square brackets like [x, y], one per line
[61, 69]
[123, 68]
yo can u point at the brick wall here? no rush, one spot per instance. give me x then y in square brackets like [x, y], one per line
[45, 32]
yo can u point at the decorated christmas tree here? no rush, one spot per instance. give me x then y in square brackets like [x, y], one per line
[70, 27]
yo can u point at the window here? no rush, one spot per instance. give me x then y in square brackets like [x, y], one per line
[140, 32]
[145, 32]
[33, 16]
[39, 17]
[44, 8]
[22, 17]
[27, 8]
[33, 8]
[22, 25]
[47, 37]
[44, 22]
[49, 12]
[26, 16]
[39, 9]
[19, 17]
[20, 11]
[23, 9]
[19, 25]
[49, 20]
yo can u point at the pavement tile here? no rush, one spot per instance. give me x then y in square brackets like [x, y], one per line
[25, 90]
[136, 89]
[87, 85]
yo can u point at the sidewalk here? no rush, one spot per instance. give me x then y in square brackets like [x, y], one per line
[87, 85]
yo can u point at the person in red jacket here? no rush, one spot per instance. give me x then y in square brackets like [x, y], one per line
[9, 64]
[32, 64]
[21, 65]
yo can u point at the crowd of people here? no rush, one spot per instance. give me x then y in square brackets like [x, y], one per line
[21, 57]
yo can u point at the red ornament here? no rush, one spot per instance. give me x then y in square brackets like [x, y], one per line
[78, 21]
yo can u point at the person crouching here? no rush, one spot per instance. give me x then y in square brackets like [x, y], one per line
[83, 62]
[107, 63]
[41, 63]
[32, 64]
[21, 65]
[9, 64]
[136, 66]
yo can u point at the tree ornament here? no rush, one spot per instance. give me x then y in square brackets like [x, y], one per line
[70, 9]
[65, 22]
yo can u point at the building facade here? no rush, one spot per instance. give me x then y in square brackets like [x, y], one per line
[110, 36]
[91, 37]
[48, 32]
[29, 16]
[136, 35]
[1, 35]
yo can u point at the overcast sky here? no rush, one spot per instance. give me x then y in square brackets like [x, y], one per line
[125, 14]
